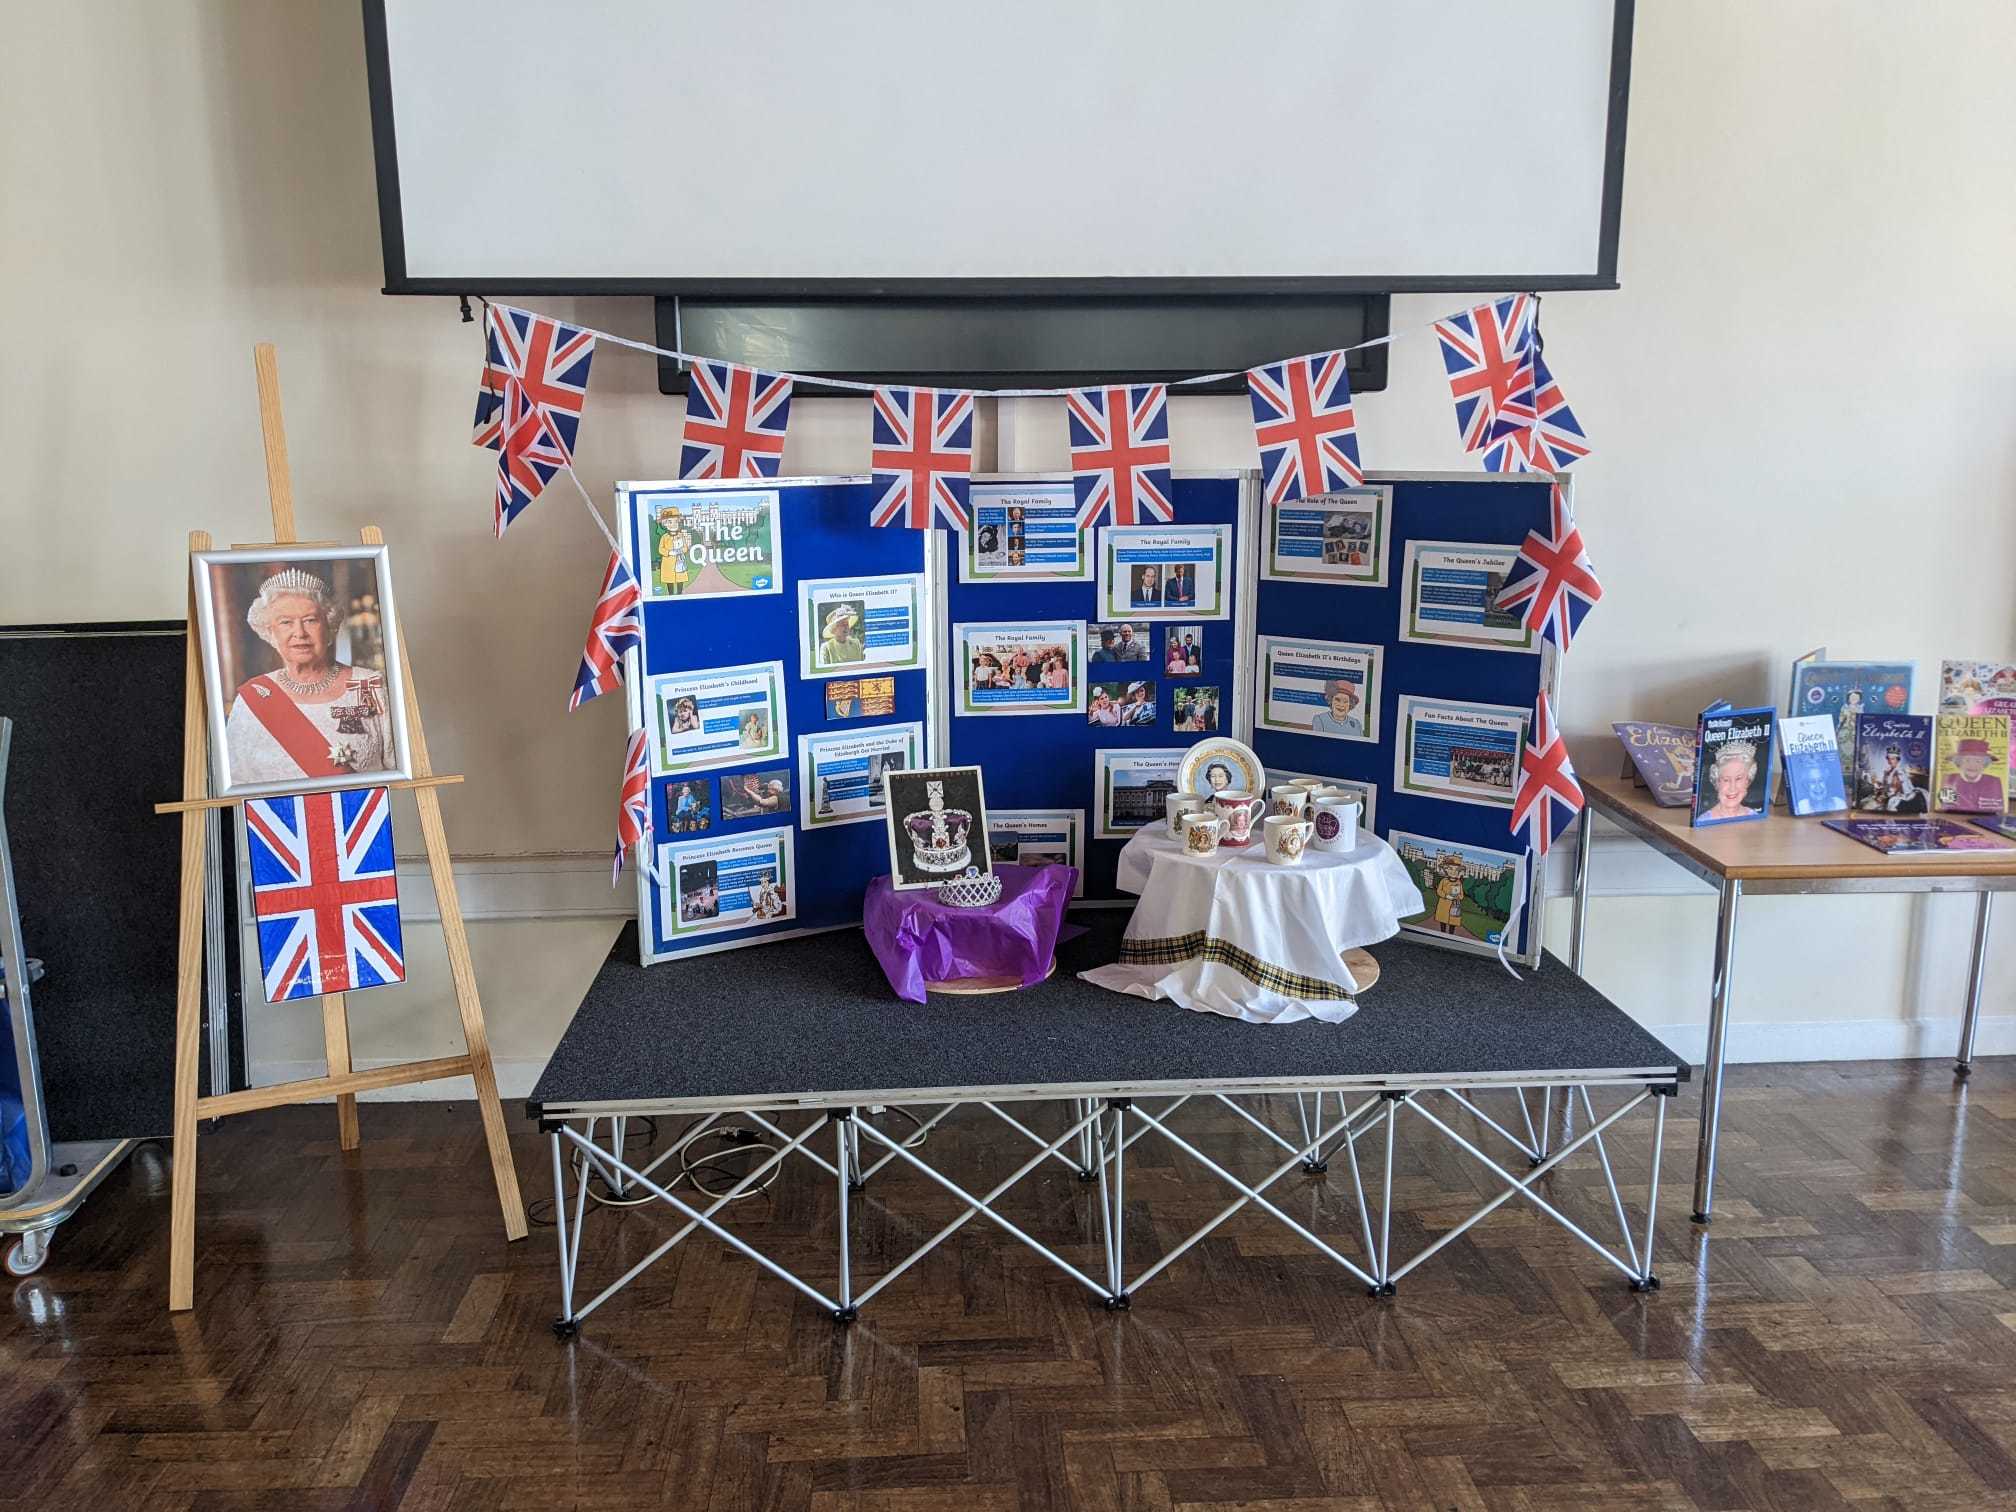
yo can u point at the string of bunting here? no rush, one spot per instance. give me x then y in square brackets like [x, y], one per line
[1509, 409]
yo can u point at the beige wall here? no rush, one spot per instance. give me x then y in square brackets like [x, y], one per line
[1803, 403]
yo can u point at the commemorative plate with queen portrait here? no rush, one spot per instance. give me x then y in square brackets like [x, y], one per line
[1220, 764]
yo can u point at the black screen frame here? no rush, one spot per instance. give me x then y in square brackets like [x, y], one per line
[392, 234]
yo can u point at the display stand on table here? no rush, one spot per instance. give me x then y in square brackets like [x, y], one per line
[342, 1082]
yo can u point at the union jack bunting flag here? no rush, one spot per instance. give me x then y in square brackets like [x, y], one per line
[923, 457]
[735, 418]
[324, 892]
[633, 817]
[1552, 581]
[1552, 441]
[528, 405]
[1307, 432]
[1548, 797]
[614, 630]
[1488, 353]
[1120, 453]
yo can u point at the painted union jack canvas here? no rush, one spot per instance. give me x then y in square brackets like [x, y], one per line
[1552, 582]
[735, 419]
[923, 457]
[1548, 797]
[325, 895]
[614, 630]
[1488, 353]
[1120, 453]
[1551, 441]
[528, 405]
[1307, 432]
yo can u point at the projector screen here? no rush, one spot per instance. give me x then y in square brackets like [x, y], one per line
[673, 146]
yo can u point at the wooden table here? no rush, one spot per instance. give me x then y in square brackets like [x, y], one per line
[1780, 855]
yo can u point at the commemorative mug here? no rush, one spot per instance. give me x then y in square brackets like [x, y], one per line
[1336, 820]
[1177, 805]
[1200, 832]
[1238, 810]
[1286, 838]
[1290, 798]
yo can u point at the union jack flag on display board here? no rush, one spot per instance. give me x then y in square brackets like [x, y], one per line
[1120, 453]
[633, 816]
[615, 629]
[1549, 797]
[1552, 581]
[923, 457]
[1307, 432]
[735, 418]
[1488, 353]
[324, 892]
[528, 405]
[1551, 441]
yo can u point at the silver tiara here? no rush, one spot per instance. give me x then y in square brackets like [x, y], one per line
[293, 580]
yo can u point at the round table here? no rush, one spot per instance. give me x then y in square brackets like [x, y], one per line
[1235, 934]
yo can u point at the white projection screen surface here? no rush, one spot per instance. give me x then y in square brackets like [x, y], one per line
[660, 146]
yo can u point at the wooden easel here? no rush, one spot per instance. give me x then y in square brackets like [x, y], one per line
[341, 1082]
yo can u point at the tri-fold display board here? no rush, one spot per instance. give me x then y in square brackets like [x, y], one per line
[792, 656]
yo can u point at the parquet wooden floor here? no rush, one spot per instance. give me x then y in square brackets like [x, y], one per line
[1844, 1336]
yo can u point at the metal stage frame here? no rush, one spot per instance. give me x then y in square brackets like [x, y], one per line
[1099, 1127]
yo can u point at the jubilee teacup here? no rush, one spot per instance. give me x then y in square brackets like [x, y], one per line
[1290, 798]
[1286, 838]
[1200, 832]
[1336, 820]
[1177, 805]
[1238, 810]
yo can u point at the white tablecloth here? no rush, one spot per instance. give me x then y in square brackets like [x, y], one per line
[1233, 933]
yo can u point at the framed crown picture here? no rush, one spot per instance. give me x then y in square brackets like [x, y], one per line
[937, 826]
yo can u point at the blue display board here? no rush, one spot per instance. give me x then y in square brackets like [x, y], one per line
[731, 594]
[1046, 761]
[1452, 683]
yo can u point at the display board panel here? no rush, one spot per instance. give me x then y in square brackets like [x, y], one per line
[1381, 661]
[783, 669]
[1039, 760]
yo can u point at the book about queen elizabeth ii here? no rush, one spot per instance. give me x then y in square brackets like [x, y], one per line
[1732, 778]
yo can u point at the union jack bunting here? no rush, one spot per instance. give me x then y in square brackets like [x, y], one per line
[1120, 453]
[735, 418]
[1548, 797]
[633, 817]
[614, 630]
[923, 457]
[1488, 353]
[324, 892]
[528, 405]
[1552, 580]
[1307, 432]
[1552, 441]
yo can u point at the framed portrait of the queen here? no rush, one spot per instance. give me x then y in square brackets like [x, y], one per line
[937, 826]
[301, 676]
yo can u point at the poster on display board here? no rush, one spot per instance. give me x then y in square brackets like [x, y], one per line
[701, 545]
[840, 772]
[1024, 533]
[1020, 667]
[1343, 537]
[1039, 837]
[856, 625]
[716, 717]
[1449, 593]
[1316, 687]
[1129, 789]
[707, 886]
[1164, 572]
[1458, 752]
[1467, 891]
